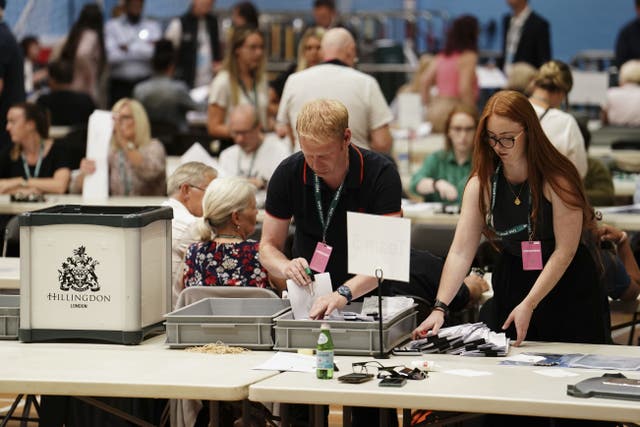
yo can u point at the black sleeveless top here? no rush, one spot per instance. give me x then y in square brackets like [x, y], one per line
[507, 214]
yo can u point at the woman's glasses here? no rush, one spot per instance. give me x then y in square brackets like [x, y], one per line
[504, 141]
[399, 371]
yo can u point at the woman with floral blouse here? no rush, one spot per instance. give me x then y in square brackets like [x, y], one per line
[224, 256]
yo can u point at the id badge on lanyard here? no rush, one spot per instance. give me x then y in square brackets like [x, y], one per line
[531, 255]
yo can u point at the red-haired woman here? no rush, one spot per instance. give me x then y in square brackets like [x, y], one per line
[546, 283]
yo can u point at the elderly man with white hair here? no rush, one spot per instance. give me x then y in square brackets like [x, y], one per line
[185, 187]
[335, 78]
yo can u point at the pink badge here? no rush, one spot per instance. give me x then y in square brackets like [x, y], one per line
[532, 255]
[320, 257]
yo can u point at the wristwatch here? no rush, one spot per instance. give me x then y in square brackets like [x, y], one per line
[345, 292]
[439, 305]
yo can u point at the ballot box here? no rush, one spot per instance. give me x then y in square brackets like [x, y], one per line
[94, 272]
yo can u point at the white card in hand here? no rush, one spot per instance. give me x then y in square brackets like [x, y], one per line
[303, 297]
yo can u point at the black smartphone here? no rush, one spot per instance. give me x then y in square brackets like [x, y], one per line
[392, 382]
[355, 378]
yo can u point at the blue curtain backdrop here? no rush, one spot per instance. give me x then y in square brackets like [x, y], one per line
[576, 25]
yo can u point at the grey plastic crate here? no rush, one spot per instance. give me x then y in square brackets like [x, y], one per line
[9, 316]
[349, 337]
[246, 322]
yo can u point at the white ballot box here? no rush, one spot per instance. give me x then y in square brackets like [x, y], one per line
[94, 272]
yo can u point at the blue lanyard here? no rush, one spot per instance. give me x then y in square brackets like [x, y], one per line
[332, 206]
[25, 165]
[516, 228]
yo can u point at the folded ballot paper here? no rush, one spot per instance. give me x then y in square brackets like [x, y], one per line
[469, 339]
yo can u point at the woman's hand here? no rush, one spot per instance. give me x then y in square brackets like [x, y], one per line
[9, 185]
[446, 190]
[431, 323]
[296, 271]
[521, 316]
[612, 234]
[324, 305]
[87, 166]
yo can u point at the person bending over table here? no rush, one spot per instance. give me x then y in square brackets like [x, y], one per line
[317, 187]
[136, 161]
[34, 163]
[546, 284]
[443, 175]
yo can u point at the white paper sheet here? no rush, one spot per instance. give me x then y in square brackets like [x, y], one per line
[409, 110]
[294, 362]
[302, 297]
[555, 373]
[96, 185]
[467, 373]
[379, 242]
[197, 153]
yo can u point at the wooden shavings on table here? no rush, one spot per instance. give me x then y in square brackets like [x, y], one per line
[217, 348]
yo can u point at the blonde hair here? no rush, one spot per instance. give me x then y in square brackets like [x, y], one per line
[520, 77]
[140, 121]
[237, 38]
[223, 197]
[554, 76]
[630, 72]
[189, 173]
[322, 119]
[317, 32]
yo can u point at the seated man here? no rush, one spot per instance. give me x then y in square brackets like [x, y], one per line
[254, 155]
[185, 187]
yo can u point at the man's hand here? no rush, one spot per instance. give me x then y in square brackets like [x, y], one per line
[324, 305]
[296, 271]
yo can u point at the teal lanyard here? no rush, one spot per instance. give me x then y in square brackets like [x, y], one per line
[332, 207]
[248, 174]
[126, 179]
[253, 100]
[25, 165]
[517, 228]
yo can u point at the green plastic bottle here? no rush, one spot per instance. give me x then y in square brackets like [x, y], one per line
[324, 353]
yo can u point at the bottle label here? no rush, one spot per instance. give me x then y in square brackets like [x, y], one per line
[322, 338]
[324, 359]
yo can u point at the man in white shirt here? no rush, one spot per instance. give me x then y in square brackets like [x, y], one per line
[369, 113]
[185, 187]
[254, 155]
[129, 42]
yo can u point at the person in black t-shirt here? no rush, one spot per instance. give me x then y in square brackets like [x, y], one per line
[34, 164]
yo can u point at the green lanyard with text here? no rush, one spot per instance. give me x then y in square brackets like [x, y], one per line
[332, 206]
[517, 228]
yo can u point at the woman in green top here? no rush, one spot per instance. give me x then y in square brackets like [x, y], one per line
[444, 173]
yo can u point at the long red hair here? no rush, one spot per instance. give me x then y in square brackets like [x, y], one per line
[544, 161]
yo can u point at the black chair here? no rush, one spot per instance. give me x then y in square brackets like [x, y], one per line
[435, 238]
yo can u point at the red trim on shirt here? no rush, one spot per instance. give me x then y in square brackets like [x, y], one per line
[399, 213]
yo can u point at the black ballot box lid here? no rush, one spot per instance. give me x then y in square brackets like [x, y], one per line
[110, 216]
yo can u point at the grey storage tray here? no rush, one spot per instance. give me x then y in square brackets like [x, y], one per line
[9, 316]
[246, 322]
[349, 337]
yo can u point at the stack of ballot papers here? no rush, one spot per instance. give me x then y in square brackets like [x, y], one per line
[469, 339]
[575, 360]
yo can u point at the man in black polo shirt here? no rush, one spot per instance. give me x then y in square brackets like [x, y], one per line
[342, 176]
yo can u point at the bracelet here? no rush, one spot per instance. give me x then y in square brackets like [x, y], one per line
[439, 305]
[623, 238]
